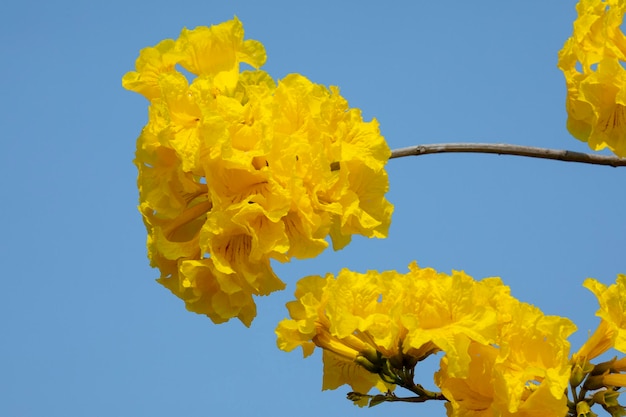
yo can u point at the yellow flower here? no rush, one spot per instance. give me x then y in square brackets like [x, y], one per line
[339, 371]
[472, 395]
[236, 170]
[387, 322]
[525, 372]
[616, 380]
[216, 52]
[152, 63]
[611, 332]
[592, 62]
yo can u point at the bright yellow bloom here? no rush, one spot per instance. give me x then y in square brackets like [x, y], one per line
[339, 371]
[216, 52]
[473, 395]
[387, 322]
[525, 373]
[611, 332]
[151, 65]
[592, 62]
[236, 170]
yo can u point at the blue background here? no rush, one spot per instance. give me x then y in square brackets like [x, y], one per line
[85, 330]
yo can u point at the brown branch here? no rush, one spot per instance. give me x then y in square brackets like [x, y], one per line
[506, 149]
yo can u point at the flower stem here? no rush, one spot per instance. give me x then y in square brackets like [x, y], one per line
[507, 149]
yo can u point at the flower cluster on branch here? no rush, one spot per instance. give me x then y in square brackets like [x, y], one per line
[500, 354]
[235, 169]
[592, 61]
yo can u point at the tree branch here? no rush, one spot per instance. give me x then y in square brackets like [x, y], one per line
[506, 149]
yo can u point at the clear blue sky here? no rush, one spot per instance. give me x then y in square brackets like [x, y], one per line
[85, 329]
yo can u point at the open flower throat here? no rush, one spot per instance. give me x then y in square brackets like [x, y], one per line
[235, 169]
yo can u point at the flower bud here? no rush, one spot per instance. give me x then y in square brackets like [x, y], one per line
[593, 383]
[577, 376]
[603, 367]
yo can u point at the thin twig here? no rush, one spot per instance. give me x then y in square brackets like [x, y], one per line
[506, 149]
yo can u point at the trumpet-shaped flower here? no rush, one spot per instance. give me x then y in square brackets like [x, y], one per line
[611, 332]
[592, 62]
[236, 170]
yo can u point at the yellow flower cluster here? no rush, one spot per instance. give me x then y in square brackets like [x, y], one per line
[592, 62]
[236, 170]
[502, 357]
